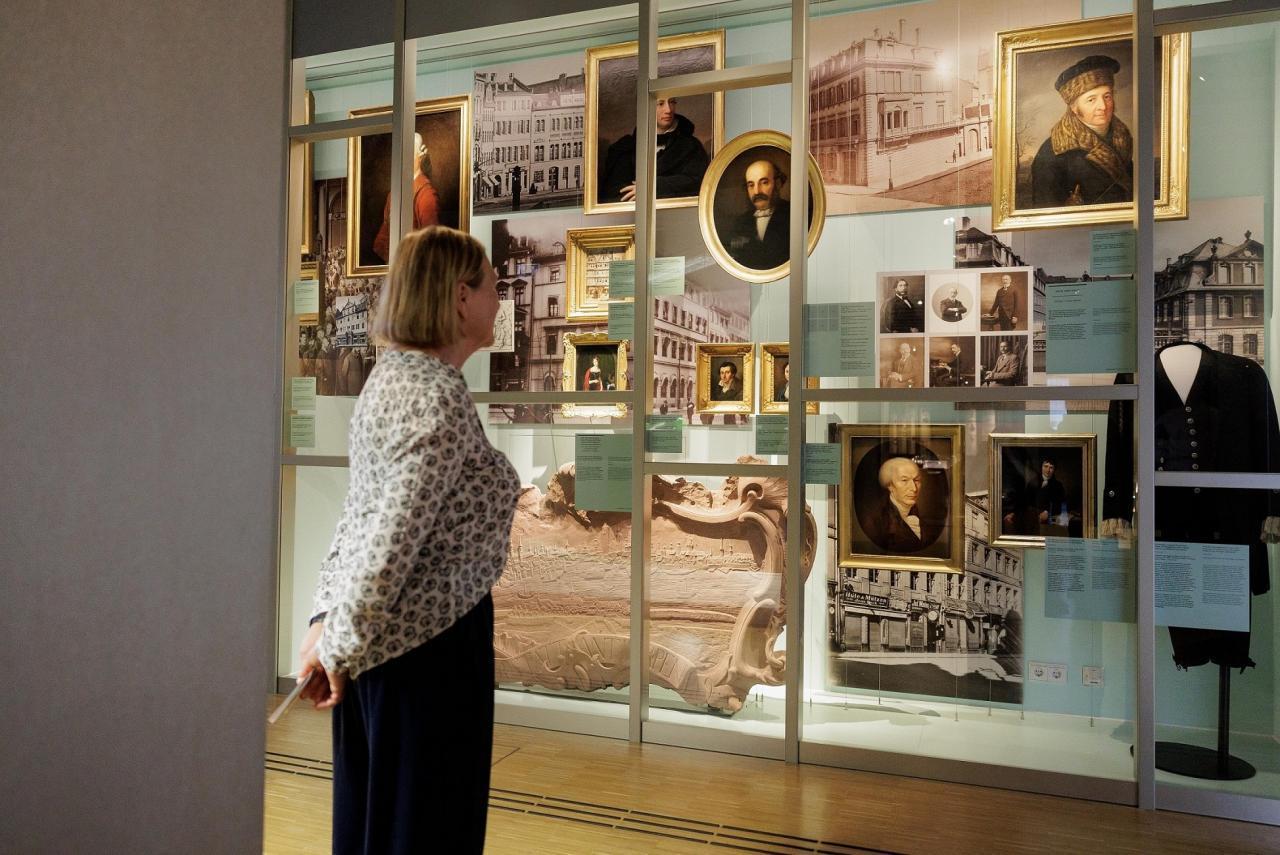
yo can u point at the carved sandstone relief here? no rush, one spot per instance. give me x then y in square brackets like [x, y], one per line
[717, 602]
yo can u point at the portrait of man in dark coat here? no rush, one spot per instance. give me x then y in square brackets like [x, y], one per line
[681, 159]
[760, 238]
[1088, 157]
[895, 523]
[902, 311]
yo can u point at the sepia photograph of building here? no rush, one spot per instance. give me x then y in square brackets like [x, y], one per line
[923, 633]
[528, 136]
[901, 108]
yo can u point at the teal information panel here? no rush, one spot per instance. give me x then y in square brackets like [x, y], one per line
[622, 279]
[666, 277]
[622, 321]
[821, 463]
[1088, 579]
[302, 393]
[840, 339]
[1202, 585]
[664, 434]
[603, 467]
[302, 430]
[1090, 327]
[306, 297]
[771, 434]
[1113, 252]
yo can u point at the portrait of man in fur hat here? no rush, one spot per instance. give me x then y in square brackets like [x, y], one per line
[1088, 157]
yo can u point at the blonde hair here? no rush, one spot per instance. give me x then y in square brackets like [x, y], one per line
[418, 306]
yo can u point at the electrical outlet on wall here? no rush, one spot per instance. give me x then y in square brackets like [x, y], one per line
[1092, 675]
[1047, 672]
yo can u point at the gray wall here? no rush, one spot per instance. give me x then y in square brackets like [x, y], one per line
[140, 195]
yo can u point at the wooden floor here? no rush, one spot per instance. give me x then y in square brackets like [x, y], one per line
[563, 793]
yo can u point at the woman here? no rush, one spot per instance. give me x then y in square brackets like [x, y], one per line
[402, 637]
[591, 378]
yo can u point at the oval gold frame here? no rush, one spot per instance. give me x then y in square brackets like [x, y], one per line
[706, 203]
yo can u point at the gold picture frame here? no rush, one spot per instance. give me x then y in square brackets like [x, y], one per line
[586, 345]
[308, 179]
[1013, 474]
[727, 208]
[592, 157]
[770, 355]
[740, 397]
[871, 531]
[450, 154]
[586, 302]
[1011, 206]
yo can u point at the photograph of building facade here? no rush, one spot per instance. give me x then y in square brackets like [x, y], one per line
[528, 137]
[529, 257]
[933, 633]
[900, 109]
[1213, 294]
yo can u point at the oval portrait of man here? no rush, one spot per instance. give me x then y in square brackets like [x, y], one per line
[744, 206]
[901, 496]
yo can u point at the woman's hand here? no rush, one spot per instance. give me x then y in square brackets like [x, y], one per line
[326, 690]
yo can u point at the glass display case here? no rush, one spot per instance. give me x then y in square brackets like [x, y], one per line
[1031, 423]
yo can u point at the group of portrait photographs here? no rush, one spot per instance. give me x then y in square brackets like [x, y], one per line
[955, 328]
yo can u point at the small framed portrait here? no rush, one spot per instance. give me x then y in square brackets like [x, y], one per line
[952, 303]
[1005, 359]
[901, 303]
[725, 378]
[441, 180]
[690, 128]
[587, 276]
[901, 362]
[593, 362]
[1042, 485]
[775, 380]
[744, 206]
[1064, 146]
[1006, 300]
[953, 361]
[901, 497]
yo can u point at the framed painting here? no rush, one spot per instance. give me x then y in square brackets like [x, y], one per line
[726, 375]
[1042, 485]
[775, 380]
[593, 362]
[590, 252]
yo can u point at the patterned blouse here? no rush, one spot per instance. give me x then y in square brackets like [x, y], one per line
[427, 519]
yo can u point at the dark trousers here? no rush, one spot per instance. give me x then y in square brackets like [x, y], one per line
[412, 747]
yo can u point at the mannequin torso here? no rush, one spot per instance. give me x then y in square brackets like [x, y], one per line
[1181, 362]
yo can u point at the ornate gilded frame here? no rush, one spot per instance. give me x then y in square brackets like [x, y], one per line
[1175, 87]
[768, 353]
[582, 244]
[956, 508]
[711, 183]
[591, 157]
[569, 374]
[706, 354]
[1085, 443]
[460, 103]
[308, 179]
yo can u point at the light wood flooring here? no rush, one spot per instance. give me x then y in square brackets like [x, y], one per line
[564, 793]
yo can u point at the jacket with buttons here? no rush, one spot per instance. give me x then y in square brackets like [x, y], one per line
[1227, 424]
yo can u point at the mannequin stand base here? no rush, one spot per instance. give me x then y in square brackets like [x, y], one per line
[1196, 762]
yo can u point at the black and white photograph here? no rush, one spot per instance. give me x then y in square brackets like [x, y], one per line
[952, 299]
[946, 635]
[953, 361]
[901, 303]
[902, 362]
[1042, 486]
[529, 135]
[1004, 360]
[1005, 301]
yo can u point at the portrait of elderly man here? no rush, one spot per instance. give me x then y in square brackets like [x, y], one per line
[895, 523]
[727, 386]
[905, 370]
[760, 238]
[1008, 368]
[680, 164]
[1088, 157]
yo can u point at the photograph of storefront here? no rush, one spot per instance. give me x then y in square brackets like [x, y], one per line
[926, 633]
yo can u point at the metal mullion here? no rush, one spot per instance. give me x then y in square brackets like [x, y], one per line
[1211, 16]
[979, 394]
[332, 461]
[1219, 480]
[793, 579]
[340, 130]
[719, 470]
[404, 83]
[584, 398]
[1144, 223]
[642, 391]
[721, 80]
